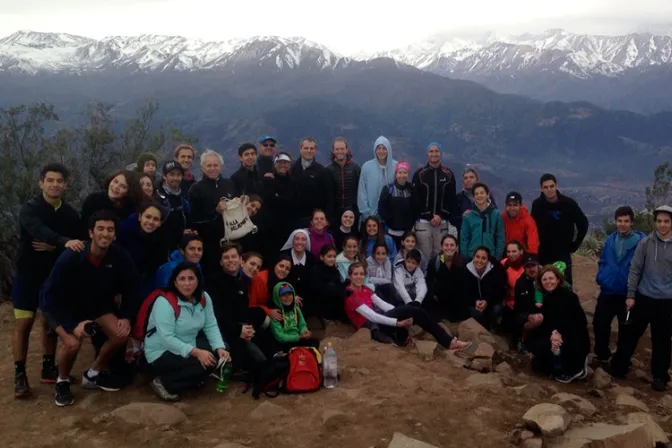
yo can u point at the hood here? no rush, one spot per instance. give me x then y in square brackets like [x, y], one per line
[276, 295]
[524, 213]
[177, 256]
[289, 244]
[472, 269]
[386, 143]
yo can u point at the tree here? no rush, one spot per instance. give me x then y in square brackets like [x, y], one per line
[659, 193]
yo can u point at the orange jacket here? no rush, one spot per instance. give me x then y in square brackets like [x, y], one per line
[522, 228]
[512, 276]
[258, 292]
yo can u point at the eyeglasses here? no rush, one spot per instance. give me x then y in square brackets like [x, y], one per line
[268, 145]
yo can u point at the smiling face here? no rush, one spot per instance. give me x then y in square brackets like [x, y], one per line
[185, 157]
[434, 155]
[340, 151]
[381, 153]
[193, 252]
[251, 266]
[230, 261]
[173, 179]
[480, 259]
[186, 283]
[146, 185]
[401, 176]
[624, 225]
[282, 167]
[253, 208]
[469, 179]
[532, 270]
[513, 252]
[357, 276]
[287, 298]
[118, 188]
[549, 281]
[371, 228]
[103, 234]
[348, 219]
[513, 209]
[664, 224]
[53, 185]
[299, 243]
[329, 259]
[350, 249]
[150, 220]
[211, 167]
[319, 221]
[249, 158]
[282, 269]
[409, 243]
[550, 189]
[449, 248]
[380, 254]
[267, 148]
[480, 197]
[308, 149]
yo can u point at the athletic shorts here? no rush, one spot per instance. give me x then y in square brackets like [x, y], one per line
[26, 296]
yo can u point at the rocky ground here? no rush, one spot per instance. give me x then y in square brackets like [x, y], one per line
[418, 397]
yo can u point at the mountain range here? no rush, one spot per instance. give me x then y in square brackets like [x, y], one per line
[229, 92]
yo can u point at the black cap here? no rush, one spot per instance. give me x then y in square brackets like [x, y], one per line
[244, 147]
[530, 259]
[514, 196]
[172, 165]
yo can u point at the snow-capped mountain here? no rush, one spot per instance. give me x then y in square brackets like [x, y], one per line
[33, 52]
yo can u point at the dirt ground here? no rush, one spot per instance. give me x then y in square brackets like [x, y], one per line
[383, 390]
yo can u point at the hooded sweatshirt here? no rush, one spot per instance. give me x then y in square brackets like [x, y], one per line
[482, 228]
[614, 264]
[379, 273]
[651, 268]
[162, 278]
[522, 228]
[410, 286]
[373, 178]
[291, 326]
[490, 286]
[396, 207]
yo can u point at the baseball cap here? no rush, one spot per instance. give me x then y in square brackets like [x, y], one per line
[663, 209]
[514, 196]
[284, 289]
[530, 259]
[172, 165]
[267, 137]
[282, 158]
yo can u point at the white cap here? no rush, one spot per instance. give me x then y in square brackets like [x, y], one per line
[663, 209]
[282, 158]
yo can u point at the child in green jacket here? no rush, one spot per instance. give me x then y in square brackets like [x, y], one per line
[292, 330]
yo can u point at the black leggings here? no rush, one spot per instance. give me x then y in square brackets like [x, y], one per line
[420, 318]
[179, 374]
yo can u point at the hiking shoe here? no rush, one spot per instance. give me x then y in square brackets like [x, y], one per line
[21, 387]
[659, 385]
[49, 375]
[102, 381]
[64, 395]
[161, 391]
[566, 379]
[457, 345]
[520, 346]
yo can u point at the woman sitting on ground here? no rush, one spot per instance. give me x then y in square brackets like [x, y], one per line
[298, 248]
[390, 324]
[261, 287]
[372, 233]
[485, 288]
[346, 228]
[327, 285]
[561, 345]
[409, 241]
[178, 360]
[446, 275]
[319, 236]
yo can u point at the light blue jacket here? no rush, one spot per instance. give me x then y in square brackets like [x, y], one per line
[372, 181]
[179, 336]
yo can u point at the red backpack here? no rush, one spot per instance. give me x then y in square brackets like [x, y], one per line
[305, 370]
[140, 328]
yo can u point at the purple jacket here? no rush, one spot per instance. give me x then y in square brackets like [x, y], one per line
[319, 240]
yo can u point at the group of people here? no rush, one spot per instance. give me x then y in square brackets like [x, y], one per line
[149, 269]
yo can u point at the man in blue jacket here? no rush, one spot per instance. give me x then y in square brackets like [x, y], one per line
[190, 249]
[612, 277]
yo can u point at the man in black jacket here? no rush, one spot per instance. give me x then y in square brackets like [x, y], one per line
[81, 290]
[558, 219]
[47, 226]
[175, 204]
[267, 154]
[345, 174]
[238, 322]
[527, 315]
[248, 178]
[434, 199]
[314, 184]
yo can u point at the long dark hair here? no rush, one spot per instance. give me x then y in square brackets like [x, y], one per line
[457, 258]
[134, 195]
[186, 266]
[272, 278]
[380, 238]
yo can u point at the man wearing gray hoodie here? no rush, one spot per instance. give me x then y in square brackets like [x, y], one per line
[649, 301]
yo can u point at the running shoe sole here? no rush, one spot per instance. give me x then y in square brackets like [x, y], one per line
[569, 379]
[62, 404]
[92, 385]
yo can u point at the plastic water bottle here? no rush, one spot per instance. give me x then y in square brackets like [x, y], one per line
[223, 382]
[555, 349]
[330, 367]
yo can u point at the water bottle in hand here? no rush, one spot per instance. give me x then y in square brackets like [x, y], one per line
[330, 367]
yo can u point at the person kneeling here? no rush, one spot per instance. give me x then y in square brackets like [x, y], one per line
[291, 331]
[366, 309]
[179, 361]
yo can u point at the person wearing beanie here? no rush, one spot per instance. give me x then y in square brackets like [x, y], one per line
[248, 178]
[345, 173]
[147, 163]
[376, 173]
[409, 281]
[434, 202]
[518, 223]
[396, 205]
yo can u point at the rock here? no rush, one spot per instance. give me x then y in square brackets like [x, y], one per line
[455, 360]
[225, 444]
[471, 330]
[597, 393]
[532, 443]
[484, 380]
[483, 365]
[578, 418]
[637, 364]
[504, 369]
[482, 410]
[70, 420]
[643, 376]
[361, 335]
[267, 411]
[532, 390]
[501, 343]
[630, 401]
[415, 331]
[401, 441]
[150, 414]
[526, 435]
[583, 406]
[618, 390]
[549, 419]
[484, 350]
[601, 379]
[666, 402]
[426, 349]
[652, 427]
[333, 419]
[601, 435]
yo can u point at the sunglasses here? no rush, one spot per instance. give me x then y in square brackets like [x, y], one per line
[268, 145]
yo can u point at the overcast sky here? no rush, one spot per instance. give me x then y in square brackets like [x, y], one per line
[346, 26]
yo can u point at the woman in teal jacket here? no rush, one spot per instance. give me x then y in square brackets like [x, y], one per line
[178, 360]
[483, 226]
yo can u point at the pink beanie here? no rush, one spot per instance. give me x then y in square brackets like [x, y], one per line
[402, 166]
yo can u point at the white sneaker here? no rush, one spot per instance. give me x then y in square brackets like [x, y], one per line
[458, 345]
[157, 386]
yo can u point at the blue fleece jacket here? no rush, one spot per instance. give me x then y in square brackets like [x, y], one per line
[372, 180]
[614, 263]
[166, 270]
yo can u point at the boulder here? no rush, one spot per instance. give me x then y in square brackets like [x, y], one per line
[656, 432]
[149, 414]
[483, 365]
[630, 401]
[333, 419]
[226, 444]
[70, 421]
[361, 335]
[267, 411]
[666, 402]
[532, 390]
[597, 393]
[455, 360]
[532, 443]
[618, 390]
[601, 435]
[643, 376]
[549, 419]
[415, 331]
[504, 369]
[601, 379]
[401, 441]
[583, 406]
[484, 350]
[471, 330]
[426, 349]
[484, 380]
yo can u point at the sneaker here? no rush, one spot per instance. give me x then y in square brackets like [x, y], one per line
[566, 379]
[520, 346]
[157, 386]
[21, 387]
[64, 396]
[659, 385]
[102, 381]
[457, 345]
[49, 375]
